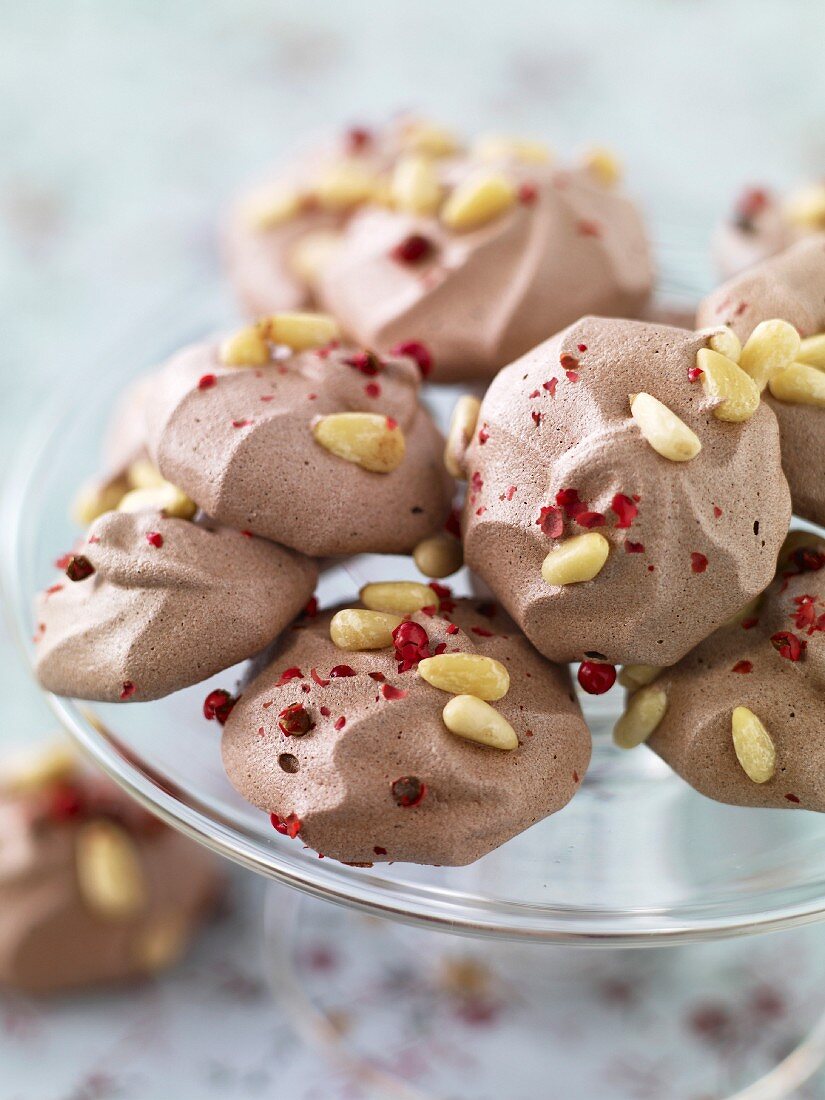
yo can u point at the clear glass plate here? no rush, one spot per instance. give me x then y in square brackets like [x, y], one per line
[636, 858]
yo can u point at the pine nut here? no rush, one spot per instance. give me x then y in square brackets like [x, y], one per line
[753, 746]
[493, 147]
[398, 597]
[367, 439]
[726, 342]
[427, 138]
[94, 499]
[577, 559]
[272, 208]
[478, 200]
[466, 674]
[143, 474]
[109, 873]
[462, 427]
[806, 207]
[301, 331]
[799, 384]
[415, 188]
[644, 712]
[438, 556]
[311, 254]
[354, 629]
[812, 351]
[343, 186]
[604, 165]
[31, 770]
[771, 346]
[737, 393]
[634, 677]
[166, 498]
[470, 717]
[160, 942]
[247, 347]
[664, 431]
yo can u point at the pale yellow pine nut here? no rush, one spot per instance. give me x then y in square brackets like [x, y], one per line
[415, 188]
[462, 426]
[726, 342]
[94, 499]
[664, 431]
[247, 347]
[427, 138]
[577, 559]
[160, 942]
[143, 474]
[300, 331]
[354, 629]
[272, 208]
[344, 185]
[477, 201]
[470, 717]
[643, 713]
[812, 351]
[493, 147]
[736, 393]
[438, 556]
[604, 165]
[753, 745]
[312, 253]
[806, 207]
[365, 439]
[799, 384]
[28, 771]
[634, 677]
[166, 498]
[771, 346]
[466, 674]
[109, 873]
[398, 597]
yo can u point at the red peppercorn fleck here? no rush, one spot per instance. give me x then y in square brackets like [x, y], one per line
[596, 677]
[749, 624]
[408, 791]
[288, 826]
[528, 194]
[294, 721]
[154, 538]
[550, 385]
[367, 362]
[217, 706]
[452, 629]
[717, 512]
[568, 361]
[482, 632]
[65, 802]
[207, 381]
[414, 349]
[379, 851]
[537, 417]
[483, 434]
[694, 373]
[634, 547]
[293, 673]
[446, 603]
[79, 568]
[698, 562]
[590, 519]
[340, 723]
[588, 228]
[788, 645]
[743, 666]
[568, 499]
[63, 561]
[379, 677]
[414, 249]
[572, 375]
[582, 347]
[127, 690]
[792, 798]
[319, 680]
[311, 609]
[358, 138]
[411, 645]
[341, 671]
[749, 205]
[452, 524]
[325, 711]
[624, 509]
[551, 521]
[372, 389]
[390, 692]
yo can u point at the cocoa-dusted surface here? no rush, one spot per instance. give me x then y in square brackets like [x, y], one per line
[50, 941]
[739, 665]
[703, 536]
[243, 449]
[152, 619]
[338, 781]
[486, 296]
[791, 286]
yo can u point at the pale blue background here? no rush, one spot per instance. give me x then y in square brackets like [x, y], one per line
[124, 127]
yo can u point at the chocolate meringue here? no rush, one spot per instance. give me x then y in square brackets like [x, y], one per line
[150, 604]
[762, 224]
[564, 244]
[673, 547]
[243, 442]
[92, 888]
[768, 665]
[353, 757]
[790, 286]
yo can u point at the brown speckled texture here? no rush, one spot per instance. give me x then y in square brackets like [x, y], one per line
[340, 786]
[490, 294]
[703, 689]
[790, 286]
[50, 941]
[268, 475]
[162, 618]
[648, 606]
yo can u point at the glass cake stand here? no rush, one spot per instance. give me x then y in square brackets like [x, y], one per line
[637, 860]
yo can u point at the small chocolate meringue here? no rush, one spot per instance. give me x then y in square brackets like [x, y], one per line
[149, 605]
[243, 442]
[565, 244]
[762, 224]
[769, 665]
[671, 549]
[790, 286]
[93, 889]
[354, 757]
